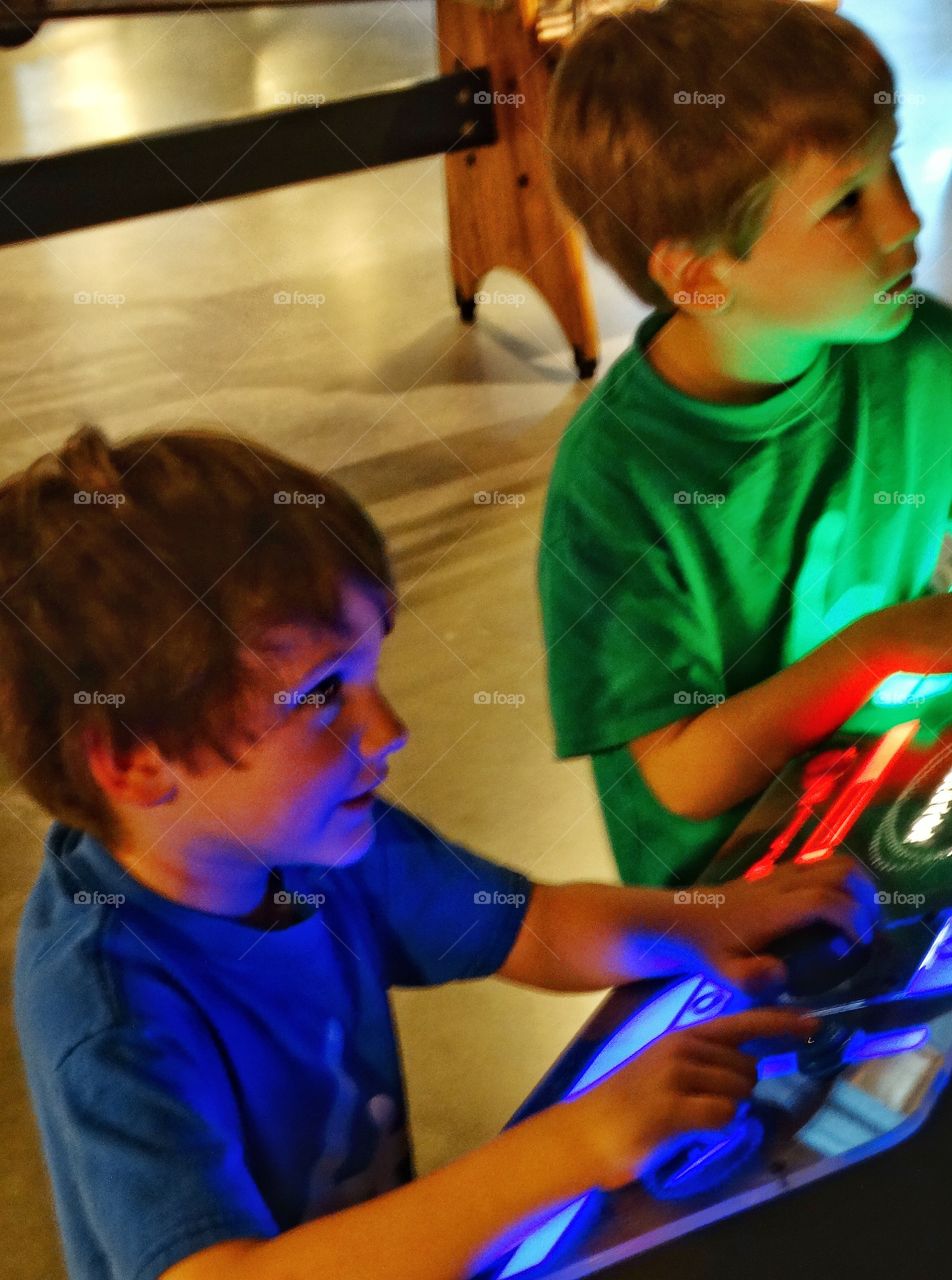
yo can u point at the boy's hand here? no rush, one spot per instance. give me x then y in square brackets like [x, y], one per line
[729, 935]
[691, 1079]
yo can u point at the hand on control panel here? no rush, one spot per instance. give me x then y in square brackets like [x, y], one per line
[687, 1081]
[816, 918]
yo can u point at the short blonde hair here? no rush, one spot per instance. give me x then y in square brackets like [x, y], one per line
[672, 122]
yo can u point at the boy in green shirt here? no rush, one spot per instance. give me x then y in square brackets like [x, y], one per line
[739, 510]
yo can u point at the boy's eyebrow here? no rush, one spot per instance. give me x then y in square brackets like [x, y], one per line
[331, 659]
[845, 183]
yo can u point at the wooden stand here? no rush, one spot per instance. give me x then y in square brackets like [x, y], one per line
[502, 210]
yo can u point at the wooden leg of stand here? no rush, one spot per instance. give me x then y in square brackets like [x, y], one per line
[502, 212]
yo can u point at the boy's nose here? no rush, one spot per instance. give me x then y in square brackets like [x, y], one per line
[903, 224]
[385, 731]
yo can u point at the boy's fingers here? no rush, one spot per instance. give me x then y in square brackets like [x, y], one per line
[718, 1081]
[753, 1024]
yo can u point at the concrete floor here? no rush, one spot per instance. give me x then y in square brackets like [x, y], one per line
[411, 410]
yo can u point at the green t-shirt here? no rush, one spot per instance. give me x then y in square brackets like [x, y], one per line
[690, 550]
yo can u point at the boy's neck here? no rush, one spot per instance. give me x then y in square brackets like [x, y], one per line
[727, 366]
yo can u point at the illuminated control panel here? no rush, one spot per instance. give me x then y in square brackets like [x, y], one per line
[866, 1081]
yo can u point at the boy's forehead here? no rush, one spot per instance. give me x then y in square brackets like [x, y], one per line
[817, 176]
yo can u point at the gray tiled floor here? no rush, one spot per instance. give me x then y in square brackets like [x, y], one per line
[413, 411]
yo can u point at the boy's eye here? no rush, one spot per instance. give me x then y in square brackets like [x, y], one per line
[849, 203]
[325, 693]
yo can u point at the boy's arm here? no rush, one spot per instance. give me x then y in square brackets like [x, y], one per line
[703, 765]
[443, 1226]
[586, 937]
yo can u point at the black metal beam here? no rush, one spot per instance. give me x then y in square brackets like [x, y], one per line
[182, 167]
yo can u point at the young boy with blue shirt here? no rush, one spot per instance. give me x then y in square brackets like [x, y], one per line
[189, 647]
[745, 516]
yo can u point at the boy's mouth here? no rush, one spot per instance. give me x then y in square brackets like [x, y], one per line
[363, 797]
[903, 282]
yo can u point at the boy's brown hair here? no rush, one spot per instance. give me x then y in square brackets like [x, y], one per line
[639, 152]
[142, 569]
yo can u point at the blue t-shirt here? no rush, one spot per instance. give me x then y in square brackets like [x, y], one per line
[196, 1079]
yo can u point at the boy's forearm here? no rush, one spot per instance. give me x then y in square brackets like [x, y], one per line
[732, 751]
[441, 1226]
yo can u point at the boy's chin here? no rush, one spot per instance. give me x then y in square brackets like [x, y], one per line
[884, 327]
[338, 848]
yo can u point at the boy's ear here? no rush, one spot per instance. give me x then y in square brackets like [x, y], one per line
[139, 777]
[688, 277]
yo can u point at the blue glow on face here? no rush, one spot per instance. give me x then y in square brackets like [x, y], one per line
[935, 972]
[903, 687]
[541, 1242]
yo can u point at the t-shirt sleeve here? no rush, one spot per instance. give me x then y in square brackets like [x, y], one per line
[627, 649]
[443, 912]
[154, 1148]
